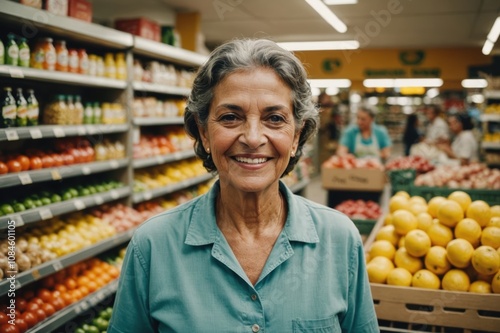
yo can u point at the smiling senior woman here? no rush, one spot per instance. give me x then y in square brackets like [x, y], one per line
[249, 255]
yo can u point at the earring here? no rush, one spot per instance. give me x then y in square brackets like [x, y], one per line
[207, 150]
[292, 154]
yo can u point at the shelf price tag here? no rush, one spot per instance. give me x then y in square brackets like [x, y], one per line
[114, 194]
[114, 164]
[35, 274]
[16, 73]
[25, 178]
[56, 175]
[57, 266]
[35, 133]
[160, 160]
[18, 219]
[45, 214]
[81, 130]
[86, 170]
[79, 204]
[148, 195]
[99, 200]
[59, 132]
[136, 135]
[91, 130]
[11, 135]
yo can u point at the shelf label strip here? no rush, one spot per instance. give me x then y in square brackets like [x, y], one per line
[25, 178]
[11, 135]
[45, 214]
[35, 133]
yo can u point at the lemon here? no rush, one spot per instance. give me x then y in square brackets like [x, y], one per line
[495, 283]
[417, 208]
[388, 233]
[418, 199]
[462, 198]
[436, 260]
[424, 221]
[404, 221]
[459, 252]
[469, 230]
[388, 219]
[398, 202]
[382, 248]
[403, 259]
[486, 260]
[450, 213]
[399, 277]
[401, 242]
[480, 211]
[440, 234]
[403, 193]
[456, 280]
[433, 205]
[495, 211]
[494, 222]
[491, 237]
[417, 243]
[481, 287]
[425, 279]
[378, 268]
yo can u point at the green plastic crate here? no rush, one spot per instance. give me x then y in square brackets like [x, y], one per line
[492, 197]
[402, 180]
[364, 226]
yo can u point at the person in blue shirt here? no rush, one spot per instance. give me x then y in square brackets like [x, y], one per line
[249, 255]
[365, 138]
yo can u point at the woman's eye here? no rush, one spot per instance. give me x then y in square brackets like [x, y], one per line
[228, 117]
[276, 118]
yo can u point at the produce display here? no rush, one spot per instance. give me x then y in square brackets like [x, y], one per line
[448, 243]
[360, 209]
[160, 176]
[474, 176]
[493, 108]
[99, 324]
[118, 216]
[171, 140]
[351, 162]
[28, 255]
[419, 163]
[48, 197]
[153, 107]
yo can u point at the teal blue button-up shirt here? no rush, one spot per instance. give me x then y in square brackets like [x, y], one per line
[180, 275]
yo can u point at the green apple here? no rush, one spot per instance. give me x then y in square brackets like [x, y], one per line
[73, 192]
[67, 195]
[29, 203]
[55, 198]
[19, 207]
[45, 201]
[84, 192]
[99, 188]
[7, 209]
[92, 189]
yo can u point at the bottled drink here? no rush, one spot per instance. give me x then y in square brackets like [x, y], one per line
[50, 54]
[96, 119]
[62, 56]
[79, 109]
[38, 55]
[33, 108]
[71, 110]
[121, 67]
[83, 61]
[9, 107]
[12, 54]
[2, 53]
[100, 70]
[92, 65]
[21, 109]
[88, 113]
[24, 53]
[109, 66]
[73, 61]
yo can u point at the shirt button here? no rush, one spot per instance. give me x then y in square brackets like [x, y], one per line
[255, 328]
[253, 297]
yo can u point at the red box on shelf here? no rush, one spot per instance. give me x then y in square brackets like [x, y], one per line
[58, 7]
[80, 9]
[140, 27]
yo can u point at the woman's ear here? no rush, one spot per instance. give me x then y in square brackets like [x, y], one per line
[203, 135]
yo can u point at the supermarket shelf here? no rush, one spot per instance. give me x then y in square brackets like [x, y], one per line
[493, 94]
[50, 174]
[63, 207]
[58, 131]
[75, 309]
[162, 159]
[299, 186]
[150, 194]
[490, 145]
[177, 55]
[490, 117]
[52, 266]
[34, 19]
[16, 72]
[161, 88]
[153, 121]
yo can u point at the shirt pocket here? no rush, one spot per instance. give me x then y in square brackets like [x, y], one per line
[326, 325]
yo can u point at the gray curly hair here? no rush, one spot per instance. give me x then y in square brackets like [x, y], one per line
[248, 54]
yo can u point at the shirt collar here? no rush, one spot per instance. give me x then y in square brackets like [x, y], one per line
[203, 228]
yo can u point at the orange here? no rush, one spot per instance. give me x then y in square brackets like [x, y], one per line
[469, 230]
[480, 211]
[440, 234]
[494, 222]
[456, 280]
[417, 243]
[382, 248]
[417, 208]
[481, 287]
[459, 252]
[495, 283]
[403, 193]
[425, 279]
[404, 221]
[388, 233]
[378, 269]
[424, 221]
[495, 211]
[417, 200]
[398, 202]
[399, 277]
[433, 205]
[491, 237]
[388, 219]
[404, 260]
[436, 260]
[450, 213]
[486, 260]
[462, 198]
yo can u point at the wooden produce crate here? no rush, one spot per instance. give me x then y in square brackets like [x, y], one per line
[433, 308]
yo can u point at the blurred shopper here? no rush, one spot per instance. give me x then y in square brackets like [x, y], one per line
[437, 129]
[365, 138]
[464, 146]
[412, 134]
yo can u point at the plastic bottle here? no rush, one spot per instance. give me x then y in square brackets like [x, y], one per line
[121, 67]
[73, 61]
[71, 110]
[79, 110]
[107, 116]
[12, 54]
[2, 53]
[21, 109]
[62, 56]
[24, 53]
[92, 65]
[38, 56]
[8, 115]
[83, 60]
[100, 67]
[50, 54]
[33, 108]
[109, 66]
[97, 114]
[88, 113]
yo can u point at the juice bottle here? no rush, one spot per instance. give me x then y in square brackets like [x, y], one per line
[109, 66]
[38, 56]
[73, 61]
[97, 114]
[88, 113]
[79, 109]
[62, 56]
[121, 67]
[33, 108]
[12, 54]
[92, 65]
[22, 109]
[50, 54]
[9, 107]
[100, 67]
[24, 53]
[71, 110]
[83, 60]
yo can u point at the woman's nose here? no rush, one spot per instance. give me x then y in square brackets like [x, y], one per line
[253, 134]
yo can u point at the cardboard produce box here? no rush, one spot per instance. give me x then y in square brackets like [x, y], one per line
[80, 9]
[353, 179]
[140, 27]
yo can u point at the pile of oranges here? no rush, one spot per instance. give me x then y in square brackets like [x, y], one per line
[448, 243]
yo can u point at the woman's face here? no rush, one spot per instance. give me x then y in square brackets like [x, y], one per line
[364, 120]
[251, 129]
[455, 125]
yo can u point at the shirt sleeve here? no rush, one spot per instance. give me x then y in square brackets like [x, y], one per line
[131, 309]
[360, 315]
[347, 139]
[383, 137]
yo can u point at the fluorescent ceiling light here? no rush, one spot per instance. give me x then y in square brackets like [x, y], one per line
[330, 83]
[315, 91]
[373, 100]
[398, 100]
[477, 98]
[332, 91]
[355, 99]
[340, 2]
[492, 37]
[433, 92]
[398, 83]
[324, 45]
[327, 15]
[474, 83]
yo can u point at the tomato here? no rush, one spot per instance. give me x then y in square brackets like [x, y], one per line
[68, 159]
[58, 303]
[48, 309]
[24, 161]
[47, 161]
[31, 307]
[28, 294]
[30, 318]
[8, 328]
[3, 318]
[58, 160]
[35, 163]
[21, 304]
[3, 168]
[40, 314]
[14, 166]
[44, 294]
[21, 324]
